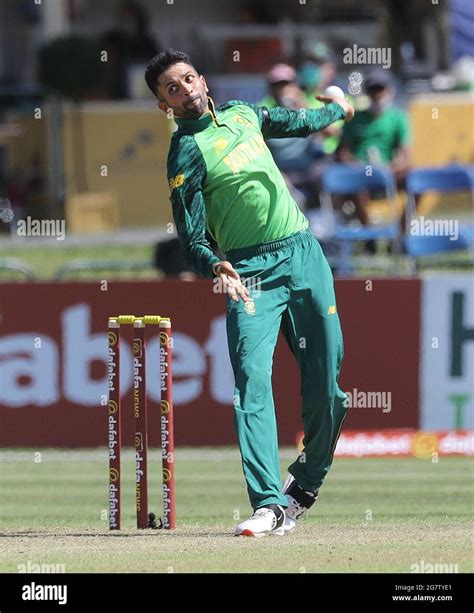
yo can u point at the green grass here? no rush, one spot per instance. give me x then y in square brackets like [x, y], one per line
[54, 512]
[45, 261]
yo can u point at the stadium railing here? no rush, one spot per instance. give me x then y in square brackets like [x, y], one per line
[84, 265]
[15, 265]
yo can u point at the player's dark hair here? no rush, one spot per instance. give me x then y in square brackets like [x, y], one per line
[160, 63]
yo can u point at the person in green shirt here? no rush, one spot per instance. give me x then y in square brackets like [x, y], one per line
[302, 161]
[379, 135]
[223, 178]
[316, 72]
[299, 159]
[302, 92]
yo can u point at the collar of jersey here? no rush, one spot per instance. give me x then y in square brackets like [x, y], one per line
[191, 126]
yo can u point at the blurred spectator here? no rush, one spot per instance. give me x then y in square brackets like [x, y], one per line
[129, 43]
[169, 259]
[379, 135]
[300, 159]
[283, 88]
[293, 156]
[316, 72]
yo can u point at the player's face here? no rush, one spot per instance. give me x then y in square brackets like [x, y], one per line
[181, 89]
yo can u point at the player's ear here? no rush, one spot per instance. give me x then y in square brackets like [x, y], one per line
[204, 83]
[162, 106]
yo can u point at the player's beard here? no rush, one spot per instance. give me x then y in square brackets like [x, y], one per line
[196, 109]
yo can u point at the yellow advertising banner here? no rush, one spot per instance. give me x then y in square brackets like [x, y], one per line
[120, 148]
[443, 134]
[442, 129]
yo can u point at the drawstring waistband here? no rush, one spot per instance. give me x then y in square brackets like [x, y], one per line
[248, 252]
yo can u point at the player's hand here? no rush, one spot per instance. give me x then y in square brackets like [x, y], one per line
[231, 280]
[347, 106]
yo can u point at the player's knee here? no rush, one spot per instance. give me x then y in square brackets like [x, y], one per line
[254, 382]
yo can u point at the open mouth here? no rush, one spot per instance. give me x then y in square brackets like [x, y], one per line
[195, 101]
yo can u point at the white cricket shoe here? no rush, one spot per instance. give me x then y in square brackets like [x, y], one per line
[265, 521]
[299, 501]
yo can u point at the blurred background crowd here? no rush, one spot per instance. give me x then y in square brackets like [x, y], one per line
[81, 139]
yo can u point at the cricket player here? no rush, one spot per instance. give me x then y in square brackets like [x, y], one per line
[223, 178]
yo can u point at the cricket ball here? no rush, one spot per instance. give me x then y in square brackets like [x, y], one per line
[334, 90]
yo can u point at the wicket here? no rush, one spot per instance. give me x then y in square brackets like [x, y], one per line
[144, 519]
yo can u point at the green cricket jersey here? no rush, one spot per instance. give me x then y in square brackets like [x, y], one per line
[223, 178]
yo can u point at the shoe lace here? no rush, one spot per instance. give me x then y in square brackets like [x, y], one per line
[262, 512]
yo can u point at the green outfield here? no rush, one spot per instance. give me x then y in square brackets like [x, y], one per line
[374, 515]
[45, 261]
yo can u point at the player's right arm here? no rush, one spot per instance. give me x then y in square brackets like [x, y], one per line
[280, 122]
[186, 177]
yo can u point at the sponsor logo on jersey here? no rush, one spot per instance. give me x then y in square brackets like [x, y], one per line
[220, 145]
[177, 181]
[242, 120]
[245, 153]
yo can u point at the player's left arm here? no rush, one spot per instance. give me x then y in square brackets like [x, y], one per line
[280, 122]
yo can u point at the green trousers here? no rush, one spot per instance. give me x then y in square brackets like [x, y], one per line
[292, 288]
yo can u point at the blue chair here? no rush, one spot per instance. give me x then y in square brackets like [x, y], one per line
[352, 179]
[455, 177]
